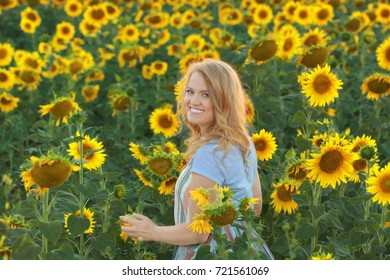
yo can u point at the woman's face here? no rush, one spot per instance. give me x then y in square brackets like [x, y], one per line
[197, 103]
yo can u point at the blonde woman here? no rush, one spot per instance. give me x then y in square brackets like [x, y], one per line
[220, 151]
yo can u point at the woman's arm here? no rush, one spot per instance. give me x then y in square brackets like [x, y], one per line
[257, 194]
[180, 234]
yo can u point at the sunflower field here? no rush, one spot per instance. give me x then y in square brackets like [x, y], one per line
[89, 128]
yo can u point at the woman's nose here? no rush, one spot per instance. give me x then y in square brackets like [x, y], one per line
[195, 99]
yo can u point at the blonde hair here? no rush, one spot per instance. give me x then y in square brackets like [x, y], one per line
[229, 103]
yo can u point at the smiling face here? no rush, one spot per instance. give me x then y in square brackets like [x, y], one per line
[197, 103]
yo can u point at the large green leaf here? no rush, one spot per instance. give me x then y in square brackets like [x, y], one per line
[306, 230]
[51, 230]
[24, 248]
[77, 225]
[65, 252]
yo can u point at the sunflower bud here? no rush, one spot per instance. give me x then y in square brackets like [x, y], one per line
[367, 152]
[120, 191]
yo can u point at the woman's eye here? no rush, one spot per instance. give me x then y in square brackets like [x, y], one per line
[188, 91]
[205, 94]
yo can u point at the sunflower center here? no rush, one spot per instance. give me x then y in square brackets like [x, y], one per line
[335, 3]
[62, 108]
[387, 54]
[110, 10]
[75, 67]
[297, 173]
[97, 14]
[73, 8]
[3, 77]
[378, 86]
[27, 77]
[32, 17]
[160, 166]
[323, 14]
[385, 13]
[86, 148]
[331, 161]
[224, 218]
[121, 103]
[303, 14]
[260, 145]
[321, 84]
[155, 19]
[65, 30]
[385, 184]
[288, 45]
[359, 165]
[284, 194]
[353, 25]
[3, 53]
[5, 101]
[312, 40]
[32, 63]
[51, 175]
[165, 122]
[263, 14]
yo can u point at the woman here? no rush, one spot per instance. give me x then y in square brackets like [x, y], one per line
[220, 151]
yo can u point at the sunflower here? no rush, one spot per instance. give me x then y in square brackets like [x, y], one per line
[62, 108]
[143, 178]
[124, 236]
[262, 14]
[128, 33]
[320, 86]
[8, 102]
[7, 79]
[201, 195]
[89, 29]
[288, 45]
[249, 109]
[27, 26]
[96, 15]
[147, 72]
[318, 139]
[177, 20]
[113, 11]
[65, 31]
[186, 60]
[95, 75]
[360, 142]
[379, 186]
[376, 86]
[246, 203]
[314, 56]
[31, 16]
[315, 37]
[382, 13]
[93, 152]
[265, 144]
[200, 224]
[27, 78]
[194, 42]
[322, 256]
[87, 214]
[322, 14]
[263, 51]
[31, 61]
[131, 56]
[331, 165]
[73, 8]
[139, 152]
[167, 187]
[46, 172]
[157, 21]
[303, 15]
[297, 171]
[163, 120]
[221, 38]
[383, 54]
[159, 67]
[230, 16]
[282, 196]
[161, 164]
[6, 54]
[90, 93]
[361, 165]
[7, 5]
[119, 102]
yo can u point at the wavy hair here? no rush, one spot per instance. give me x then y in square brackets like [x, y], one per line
[229, 103]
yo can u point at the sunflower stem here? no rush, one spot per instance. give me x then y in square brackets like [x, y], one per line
[81, 183]
[45, 216]
[380, 234]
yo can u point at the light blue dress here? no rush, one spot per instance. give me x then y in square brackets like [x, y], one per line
[230, 171]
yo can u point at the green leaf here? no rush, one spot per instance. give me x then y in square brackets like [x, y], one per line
[65, 252]
[89, 189]
[4, 230]
[77, 225]
[306, 231]
[302, 199]
[299, 118]
[24, 248]
[333, 220]
[302, 144]
[51, 230]
[317, 211]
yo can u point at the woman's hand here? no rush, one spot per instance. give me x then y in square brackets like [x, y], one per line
[141, 227]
